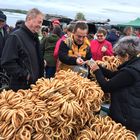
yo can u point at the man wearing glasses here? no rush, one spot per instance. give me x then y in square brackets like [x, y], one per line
[75, 49]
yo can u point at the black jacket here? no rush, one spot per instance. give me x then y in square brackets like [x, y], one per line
[21, 57]
[2, 42]
[124, 87]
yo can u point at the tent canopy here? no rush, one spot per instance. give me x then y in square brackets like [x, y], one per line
[134, 23]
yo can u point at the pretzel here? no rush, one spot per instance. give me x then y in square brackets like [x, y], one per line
[59, 108]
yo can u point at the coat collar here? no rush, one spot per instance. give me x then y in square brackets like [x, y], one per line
[34, 36]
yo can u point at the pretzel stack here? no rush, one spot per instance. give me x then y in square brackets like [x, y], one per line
[109, 62]
[61, 108]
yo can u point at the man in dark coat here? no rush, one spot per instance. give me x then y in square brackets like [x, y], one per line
[21, 57]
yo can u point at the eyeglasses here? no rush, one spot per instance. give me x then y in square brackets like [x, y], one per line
[100, 35]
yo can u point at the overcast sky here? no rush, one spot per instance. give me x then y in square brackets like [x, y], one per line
[118, 11]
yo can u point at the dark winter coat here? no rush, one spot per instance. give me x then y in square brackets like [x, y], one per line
[124, 87]
[112, 37]
[125, 106]
[2, 40]
[21, 57]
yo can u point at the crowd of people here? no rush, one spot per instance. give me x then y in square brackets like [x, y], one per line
[25, 58]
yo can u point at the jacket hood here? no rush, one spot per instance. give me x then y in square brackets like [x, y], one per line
[53, 38]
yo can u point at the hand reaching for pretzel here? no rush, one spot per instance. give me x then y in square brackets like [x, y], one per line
[94, 67]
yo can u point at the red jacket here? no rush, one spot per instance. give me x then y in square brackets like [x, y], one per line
[56, 50]
[96, 49]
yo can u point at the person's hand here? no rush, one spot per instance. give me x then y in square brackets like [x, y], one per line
[94, 67]
[89, 62]
[79, 61]
[103, 49]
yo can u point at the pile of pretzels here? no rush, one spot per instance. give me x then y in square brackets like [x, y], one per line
[61, 108]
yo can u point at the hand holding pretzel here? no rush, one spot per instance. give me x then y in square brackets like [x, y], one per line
[79, 61]
[94, 67]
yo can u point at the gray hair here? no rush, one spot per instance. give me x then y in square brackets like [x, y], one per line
[70, 27]
[127, 29]
[127, 45]
[33, 13]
